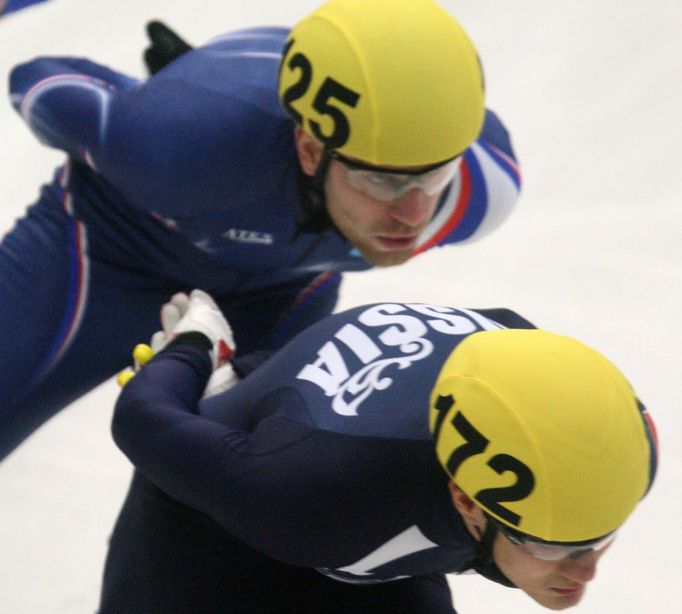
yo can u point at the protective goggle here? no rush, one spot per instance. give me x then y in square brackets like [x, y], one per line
[551, 551]
[387, 186]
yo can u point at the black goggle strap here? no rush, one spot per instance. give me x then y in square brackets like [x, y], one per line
[352, 164]
[484, 564]
[315, 218]
[321, 171]
[488, 539]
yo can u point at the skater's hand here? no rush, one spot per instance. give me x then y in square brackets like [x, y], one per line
[194, 313]
[165, 46]
[200, 314]
[171, 313]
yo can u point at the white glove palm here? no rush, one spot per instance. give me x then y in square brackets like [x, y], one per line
[194, 313]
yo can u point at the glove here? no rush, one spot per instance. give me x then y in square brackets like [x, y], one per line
[142, 354]
[171, 314]
[194, 313]
[198, 313]
[222, 379]
[165, 46]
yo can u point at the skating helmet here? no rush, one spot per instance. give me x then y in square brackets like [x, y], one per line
[387, 82]
[543, 433]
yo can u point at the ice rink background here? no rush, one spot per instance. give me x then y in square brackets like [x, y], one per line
[592, 93]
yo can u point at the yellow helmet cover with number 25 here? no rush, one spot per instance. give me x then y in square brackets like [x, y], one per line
[544, 433]
[386, 82]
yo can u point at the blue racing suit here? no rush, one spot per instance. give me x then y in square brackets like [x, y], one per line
[319, 460]
[188, 179]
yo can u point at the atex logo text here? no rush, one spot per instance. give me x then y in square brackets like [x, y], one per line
[249, 236]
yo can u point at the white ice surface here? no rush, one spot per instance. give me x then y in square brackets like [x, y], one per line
[592, 92]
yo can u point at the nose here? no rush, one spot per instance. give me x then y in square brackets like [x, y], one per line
[412, 208]
[581, 569]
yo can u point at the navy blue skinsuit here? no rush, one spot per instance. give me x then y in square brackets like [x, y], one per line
[311, 486]
[188, 179]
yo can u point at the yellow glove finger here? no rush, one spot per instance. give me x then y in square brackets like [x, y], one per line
[142, 354]
[124, 377]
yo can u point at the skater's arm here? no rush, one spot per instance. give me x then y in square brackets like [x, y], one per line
[65, 101]
[270, 485]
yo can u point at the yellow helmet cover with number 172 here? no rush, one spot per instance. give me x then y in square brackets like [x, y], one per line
[386, 82]
[544, 433]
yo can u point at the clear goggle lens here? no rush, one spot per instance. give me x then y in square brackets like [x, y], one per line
[388, 186]
[557, 552]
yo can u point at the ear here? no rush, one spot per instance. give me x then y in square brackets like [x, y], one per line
[309, 150]
[471, 514]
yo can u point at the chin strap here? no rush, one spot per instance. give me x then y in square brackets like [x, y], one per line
[315, 218]
[484, 563]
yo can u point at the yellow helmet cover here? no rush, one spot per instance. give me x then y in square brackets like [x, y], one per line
[543, 432]
[387, 82]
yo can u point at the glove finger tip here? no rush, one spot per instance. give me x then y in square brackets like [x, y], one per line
[124, 377]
